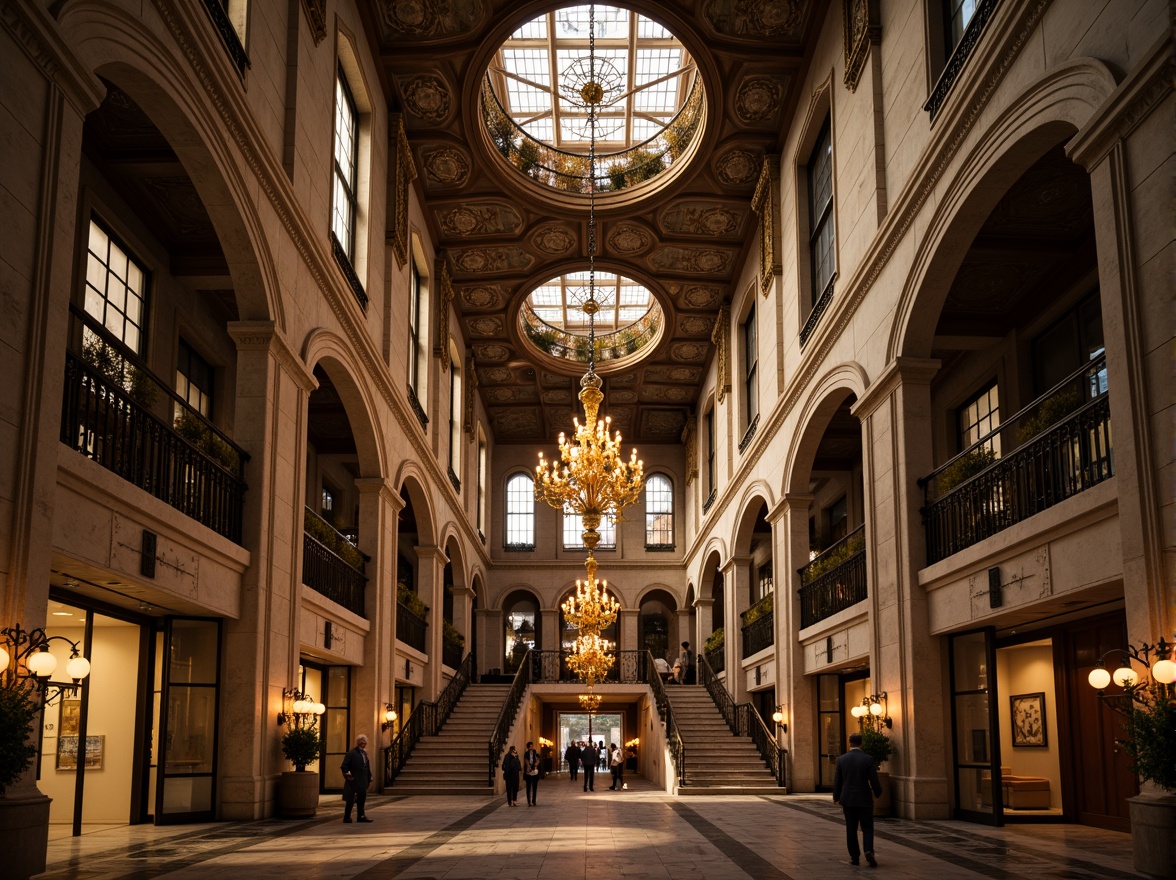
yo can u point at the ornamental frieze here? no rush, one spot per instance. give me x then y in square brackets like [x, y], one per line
[666, 393]
[512, 394]
[555, 380]
[759, 99]
[553, 239]
[483, 296]
[476, 261]
[479, 219]
[669, 422]
[491, 351]
[445, 167]
[701, 261]
[433, 18]
[699, 297]
[694, 325]
[495, 375]
[557, 397]
[702, 218]
[689, 352]
[486, 326]
[738, 168]
[627, 239]
[751, 19]
[427, 96]
[860, 18]
[516, 423]
[623, 396]
[618, 380]
[674, 374]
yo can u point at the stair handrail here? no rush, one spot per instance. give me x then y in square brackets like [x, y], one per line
[426, 719]
[662, 700]
[510, 708]
[739, 717]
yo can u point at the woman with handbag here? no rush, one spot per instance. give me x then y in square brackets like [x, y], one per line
[531, 773]
[510, 772]
[616, 760]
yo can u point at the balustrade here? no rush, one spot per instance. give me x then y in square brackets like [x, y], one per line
[834, 580]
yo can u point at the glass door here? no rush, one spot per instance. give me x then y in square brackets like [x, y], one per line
[829, 725]
[190, 666]
[976, 746]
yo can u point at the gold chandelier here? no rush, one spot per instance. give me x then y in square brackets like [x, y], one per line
[590, 702]
[591, 609]
[592, 478]
[591, 659]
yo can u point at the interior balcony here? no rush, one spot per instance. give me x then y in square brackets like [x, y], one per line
[834, 580]
[332, 565]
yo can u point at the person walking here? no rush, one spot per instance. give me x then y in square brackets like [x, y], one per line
[616, 762]
[588, 761]
[603, 755]
[510, 773]
[357, 776]
[572, 756]
[855, 779]
[685, 664]
[531, 773]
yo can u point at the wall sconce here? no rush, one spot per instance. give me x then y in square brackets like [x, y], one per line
[876, 707]
[778, 717]
[1163, 672]
[299, 708]
[32, 649]
[389, 717]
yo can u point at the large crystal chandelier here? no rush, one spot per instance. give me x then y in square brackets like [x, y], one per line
[591, 479]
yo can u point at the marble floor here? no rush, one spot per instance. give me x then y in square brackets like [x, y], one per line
[641, 833]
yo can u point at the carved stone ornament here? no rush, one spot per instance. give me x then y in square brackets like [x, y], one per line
[861, 30]
[427, 96]
[471, 389]
[482, 296]
[553, 239]
[694, 325]
[766, 203]
[479, 219]
[699, 297]
[445, 167]
[689, 352]
[688, 441]
[316, 18]
[624, 396]
[443, 322]
[475, 261]
[433, 18]
[759, 99]
[495, 375]
[557, 397]
[667, 422]
[675, 374]
[485, 326]
[555, 380]
[719, 338]
[628, 239]
[755, 18]
[516, 423]
[702, 261]
[703, 218]
[737, 168]
[403, 174]
[491, 351]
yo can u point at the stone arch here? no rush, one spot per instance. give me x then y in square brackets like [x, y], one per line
[829, 392]
[713, 556]
[1047, 112]
[755, 494]
[121, 49]
[453, 549]
[326, 349]
[411, 482]
[516, 598]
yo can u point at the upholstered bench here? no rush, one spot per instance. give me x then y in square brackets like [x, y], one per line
[1025, 792]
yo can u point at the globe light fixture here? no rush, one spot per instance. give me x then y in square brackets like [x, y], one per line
[26, 658]
[1153, 681]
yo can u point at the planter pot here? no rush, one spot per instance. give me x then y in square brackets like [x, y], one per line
[882, 804]
[1153, 835]
[24, 835]
[298, 794]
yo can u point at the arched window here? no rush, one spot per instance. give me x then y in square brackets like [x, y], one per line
[573, 531]
[659, 512]
[520, 512]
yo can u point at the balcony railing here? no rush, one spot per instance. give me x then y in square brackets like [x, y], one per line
[331, 564]
[426, 719]
[1065, 448]
[834, 580]
[552, 666]
[614, 345]
[717, 656]
[113, 413]
[411, 628]
[758, 630]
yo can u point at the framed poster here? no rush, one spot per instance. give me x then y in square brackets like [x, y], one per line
[67, 752]
[69, 714]
[1028, 717]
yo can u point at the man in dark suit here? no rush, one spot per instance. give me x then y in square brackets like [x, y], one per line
[854, 781]
[572, 756]
[588, 758]
[357, 776]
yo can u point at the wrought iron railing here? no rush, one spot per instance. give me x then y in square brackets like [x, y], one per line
[426, 719]
[662, 700]
[818, 309]
[122, 416]
[330, 575]
[552, 666]
[758, 634]
[1065, 448]
[834, 580]
[717, 658]
[570, 172]
[744, 720]
[411, 628]
[510, 708]
[574, 347]
[959, 57]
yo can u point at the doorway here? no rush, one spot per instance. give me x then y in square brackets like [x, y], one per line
[606, 727]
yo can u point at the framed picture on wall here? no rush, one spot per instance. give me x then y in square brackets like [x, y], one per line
[67, 752]
[69, 714]
[1028, 717]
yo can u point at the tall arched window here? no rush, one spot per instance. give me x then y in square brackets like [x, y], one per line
[659, 512]
[520, 512]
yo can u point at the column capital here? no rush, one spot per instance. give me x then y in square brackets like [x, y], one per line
[383, 487]
[735, 561]
[265, 336]
[900, 371]
[430, 551]
[704, 602]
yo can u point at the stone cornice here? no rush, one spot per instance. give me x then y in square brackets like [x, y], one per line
[41, 40]
[226, 97]
[383, 487]
[265, 336]
[1009, 29]
[898, 371]
[1134, 99]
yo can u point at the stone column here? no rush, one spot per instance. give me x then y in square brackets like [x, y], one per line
[373, 684]
[794, 690]
[549, 630]
[492, 640]
[463, 614]
[627, 629]
[430, 584]
[260, 648]
[737, 597]
[905, 659]
[703, 621]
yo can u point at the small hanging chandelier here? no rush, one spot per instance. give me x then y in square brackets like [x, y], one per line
[590, 609]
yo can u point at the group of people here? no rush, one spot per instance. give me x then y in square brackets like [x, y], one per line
[587, 756]
[531, 768]
[683, 672]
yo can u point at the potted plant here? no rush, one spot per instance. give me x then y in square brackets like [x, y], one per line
[298, 792]
[24, 817]
[878, 746]
[1149, 742]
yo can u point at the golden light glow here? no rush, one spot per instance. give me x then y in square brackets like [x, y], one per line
[590, 659]
[590, 702]
[591, 609]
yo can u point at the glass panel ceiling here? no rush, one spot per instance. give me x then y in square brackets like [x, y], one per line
[652, 68]
[560, 302]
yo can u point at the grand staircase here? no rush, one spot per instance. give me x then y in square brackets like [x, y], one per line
[717, 761]
[454, 761]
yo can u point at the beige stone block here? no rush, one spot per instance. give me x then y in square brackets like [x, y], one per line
[1157, 318]
[1151, 218]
